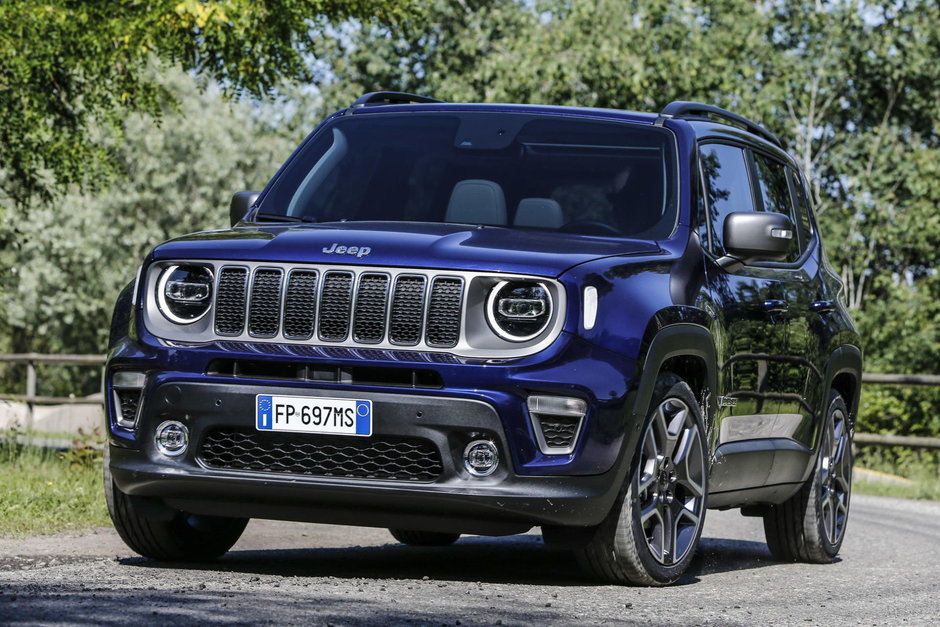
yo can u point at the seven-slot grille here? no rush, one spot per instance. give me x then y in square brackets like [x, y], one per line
[364, 307]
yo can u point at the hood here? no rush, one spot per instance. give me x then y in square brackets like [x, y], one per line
[404, 244]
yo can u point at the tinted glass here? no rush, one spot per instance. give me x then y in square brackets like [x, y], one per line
[804, 225]
[727, 186]
[513, 170]
[775, 195]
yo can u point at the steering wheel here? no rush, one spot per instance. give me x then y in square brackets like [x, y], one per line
[590, 227]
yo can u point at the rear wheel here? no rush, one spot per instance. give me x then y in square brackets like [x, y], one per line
[424, 538]
[165, 535]
[651, 534]
[810, 526]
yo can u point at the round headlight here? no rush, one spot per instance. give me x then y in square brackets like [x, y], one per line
[519, 310]
[184, 293]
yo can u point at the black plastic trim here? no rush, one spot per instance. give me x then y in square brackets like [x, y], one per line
[684, 109]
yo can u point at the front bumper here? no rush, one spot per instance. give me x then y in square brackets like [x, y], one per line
[504, 502]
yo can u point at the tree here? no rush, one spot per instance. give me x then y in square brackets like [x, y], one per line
[67, 67]
[79, 250]
[852, 89]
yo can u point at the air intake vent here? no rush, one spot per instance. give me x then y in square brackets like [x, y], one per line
[557, 422]
[559, 432]
[128, 401]
[377, 457]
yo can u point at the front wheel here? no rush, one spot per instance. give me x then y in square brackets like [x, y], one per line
[810, 526]
[650, 535]
[177, 537]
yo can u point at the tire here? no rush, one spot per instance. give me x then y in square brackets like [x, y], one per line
[423, 538]
[810, 526]
[176, 537]
[651, 534]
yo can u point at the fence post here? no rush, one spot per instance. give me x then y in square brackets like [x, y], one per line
[30, 394]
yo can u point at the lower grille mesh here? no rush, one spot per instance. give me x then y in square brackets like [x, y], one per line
[408, 459]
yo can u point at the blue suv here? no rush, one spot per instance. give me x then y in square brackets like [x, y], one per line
[453, 319]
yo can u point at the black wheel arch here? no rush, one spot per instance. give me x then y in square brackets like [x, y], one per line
[844, 375]
[684, 348]
[122, 317]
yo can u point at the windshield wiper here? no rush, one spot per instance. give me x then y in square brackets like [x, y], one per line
[280, 217]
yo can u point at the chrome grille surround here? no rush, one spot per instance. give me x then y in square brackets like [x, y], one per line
[351, 306]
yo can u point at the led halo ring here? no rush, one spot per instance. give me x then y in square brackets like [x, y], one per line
[494, 324]
[161, 296]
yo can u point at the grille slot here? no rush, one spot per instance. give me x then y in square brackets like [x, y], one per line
[335, 306]
[407, 313]
[444, 312]
[264, 309]
[300, 305]
[377, 457]
[371, 301]
[230, 301]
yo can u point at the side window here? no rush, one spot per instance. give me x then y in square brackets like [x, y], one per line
[775, 195]
[701, 216]
[804, 225]
[727, 187]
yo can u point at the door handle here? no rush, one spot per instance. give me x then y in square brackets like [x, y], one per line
[822, 305]
[776, 306]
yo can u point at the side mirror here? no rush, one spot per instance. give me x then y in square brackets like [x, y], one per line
[755, 236]
[241, 203]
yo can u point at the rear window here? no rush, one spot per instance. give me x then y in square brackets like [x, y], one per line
[511, 170]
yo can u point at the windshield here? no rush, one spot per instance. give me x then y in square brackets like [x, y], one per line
[512, 170]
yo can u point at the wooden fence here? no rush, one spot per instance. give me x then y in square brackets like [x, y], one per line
[33, 359]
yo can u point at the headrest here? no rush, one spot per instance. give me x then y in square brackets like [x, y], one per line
[476, 201]
[539, 212]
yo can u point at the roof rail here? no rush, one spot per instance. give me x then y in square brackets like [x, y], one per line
[390, 97]
[681, 108]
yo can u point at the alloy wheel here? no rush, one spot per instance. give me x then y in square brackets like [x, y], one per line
[669, 488]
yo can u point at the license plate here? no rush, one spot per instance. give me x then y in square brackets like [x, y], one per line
[306, 414]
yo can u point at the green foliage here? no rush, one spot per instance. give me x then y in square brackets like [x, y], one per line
[68, 67]
[920, 467]
[76, 253]
[41, 493]
[853, 90]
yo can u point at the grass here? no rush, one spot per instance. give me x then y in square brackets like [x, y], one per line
[921, 468]
[44, 491]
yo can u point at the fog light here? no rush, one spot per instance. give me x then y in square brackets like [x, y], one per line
[171, 438]
[480, 458]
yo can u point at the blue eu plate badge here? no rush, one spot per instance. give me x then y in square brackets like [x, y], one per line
[311, 414]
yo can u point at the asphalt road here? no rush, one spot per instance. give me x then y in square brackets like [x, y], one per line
[289, 573]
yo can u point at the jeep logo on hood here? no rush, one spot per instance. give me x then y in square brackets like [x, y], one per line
[358, 251]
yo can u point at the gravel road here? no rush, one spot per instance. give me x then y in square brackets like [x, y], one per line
[290, 573]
